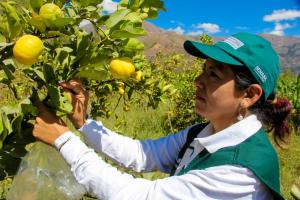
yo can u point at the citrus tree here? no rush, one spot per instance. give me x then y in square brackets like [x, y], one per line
[180, 72]
[44, 42]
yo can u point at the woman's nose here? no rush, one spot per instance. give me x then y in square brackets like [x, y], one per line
[199, 82]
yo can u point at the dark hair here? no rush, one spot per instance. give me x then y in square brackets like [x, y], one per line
[273, 112]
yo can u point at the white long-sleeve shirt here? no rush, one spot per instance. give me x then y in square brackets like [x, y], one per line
[106, 182]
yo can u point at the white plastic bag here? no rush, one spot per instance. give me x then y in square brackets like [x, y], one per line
[44, 175]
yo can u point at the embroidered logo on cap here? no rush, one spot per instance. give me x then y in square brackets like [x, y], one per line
[234, 42]
[260, 73]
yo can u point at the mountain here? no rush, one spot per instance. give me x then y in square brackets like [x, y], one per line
[167, 42]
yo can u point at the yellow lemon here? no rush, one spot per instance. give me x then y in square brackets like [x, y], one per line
[138, 76]
[121, 91]
[121, 68]
[50, 11]
[121, 88]
[27, 49]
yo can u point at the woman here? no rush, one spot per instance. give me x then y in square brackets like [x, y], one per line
[228, 158]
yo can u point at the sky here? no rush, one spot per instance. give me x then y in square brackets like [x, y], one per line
[226, 17]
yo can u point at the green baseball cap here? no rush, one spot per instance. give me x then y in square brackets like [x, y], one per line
[244, 50]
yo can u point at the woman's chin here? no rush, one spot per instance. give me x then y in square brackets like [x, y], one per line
[199, 111]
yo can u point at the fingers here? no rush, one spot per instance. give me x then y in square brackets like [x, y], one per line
[44, 114]
[74, 86]
[41, 107]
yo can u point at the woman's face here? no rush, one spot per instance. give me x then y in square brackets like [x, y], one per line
[216, 95]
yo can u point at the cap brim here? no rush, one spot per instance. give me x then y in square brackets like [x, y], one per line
[209, 51]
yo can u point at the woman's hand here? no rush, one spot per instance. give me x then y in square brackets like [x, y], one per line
[48, 127]
[80, 98]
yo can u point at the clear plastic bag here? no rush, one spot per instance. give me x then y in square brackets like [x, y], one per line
[44, 175]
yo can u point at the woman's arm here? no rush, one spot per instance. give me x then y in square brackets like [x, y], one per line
[141, 156]
[106, 182]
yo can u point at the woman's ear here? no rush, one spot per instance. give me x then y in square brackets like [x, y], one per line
[252, 95]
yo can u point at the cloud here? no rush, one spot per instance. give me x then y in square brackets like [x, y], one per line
[178, 23]
[109, 6]
[279, 15]
[208, 28]
[279, 28]
[178, 30]
[195, 33]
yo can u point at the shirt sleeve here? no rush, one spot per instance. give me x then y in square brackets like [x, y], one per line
[140, 156]
[107, 183]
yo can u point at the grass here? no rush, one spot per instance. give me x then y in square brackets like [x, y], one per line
[139, 122]
[290, 165]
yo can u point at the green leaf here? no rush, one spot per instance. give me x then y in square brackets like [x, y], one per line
[65, 106]
[16, 123]
[40, 74]
[3, 43]
[11, 109]
[93, 72]
[14, 24]
[38, 23]
[133, 45]
[129, 29]
[6, 123]
[62, 54]
[28, 108]
[82, 45]
[135, 4]
[36, 4]
[3, 77]
[85, 3]
[49, 74]
[63, 60]
[2, 39]
[94, 57]
[154, 4]
[71, 12]
[8, 73]
[91, 8]
[1, 123]
[130, 92]
[53, 92]
[59, 101]
[60, 23]
[116, 17]
[123, 3]
[134, 17]
[125, 34]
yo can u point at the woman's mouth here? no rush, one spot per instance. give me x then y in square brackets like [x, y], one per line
[199, 97]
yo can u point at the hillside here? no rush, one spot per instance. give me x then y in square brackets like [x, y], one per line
[168, 42]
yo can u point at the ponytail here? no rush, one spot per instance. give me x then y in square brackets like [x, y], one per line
[273, 113]
[274, 116]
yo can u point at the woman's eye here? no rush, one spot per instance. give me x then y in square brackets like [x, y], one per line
[213, 74]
